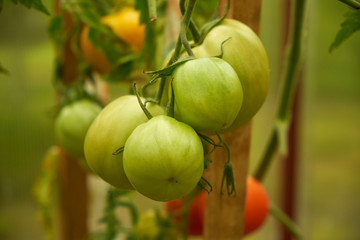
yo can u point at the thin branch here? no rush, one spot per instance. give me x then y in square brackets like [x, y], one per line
[352, 3]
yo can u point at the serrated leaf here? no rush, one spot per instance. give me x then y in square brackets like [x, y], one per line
[36, 4]
[3, 70]
[348, 27]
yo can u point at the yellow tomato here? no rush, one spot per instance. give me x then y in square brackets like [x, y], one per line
[126, 25]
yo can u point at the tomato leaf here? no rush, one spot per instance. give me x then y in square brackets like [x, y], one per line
[36, 4]
[87, 14]
[121, 69]
[3, 70]
[350, 25]
[56, 30]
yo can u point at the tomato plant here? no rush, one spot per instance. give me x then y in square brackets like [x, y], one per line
[108, 132]
[72, 124]
[244, 51]
[163, 158]
[255, 212]
[126, 25]
[208, 94]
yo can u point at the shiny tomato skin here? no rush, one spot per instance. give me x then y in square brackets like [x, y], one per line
[245, 52]
[163, 158]
[108, 132]
[208, 94]
[256, 205]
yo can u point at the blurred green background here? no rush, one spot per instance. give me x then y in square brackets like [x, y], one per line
[328, 181]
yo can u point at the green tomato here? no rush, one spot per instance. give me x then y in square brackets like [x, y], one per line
[164, 159]
[208, 94]
[108, 132]
[244, 51]
[72, 123]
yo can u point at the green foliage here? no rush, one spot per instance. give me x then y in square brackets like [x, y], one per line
[36, 4]
[348, 27]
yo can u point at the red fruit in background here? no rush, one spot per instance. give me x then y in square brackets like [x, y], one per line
[256, 205]
[256, 209]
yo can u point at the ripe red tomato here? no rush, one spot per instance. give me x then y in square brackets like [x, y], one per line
[256, 205]
[256, 209]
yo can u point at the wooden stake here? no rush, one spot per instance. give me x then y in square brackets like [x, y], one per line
[72, 177]
[224, 215]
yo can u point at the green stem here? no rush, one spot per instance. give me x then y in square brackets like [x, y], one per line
[192, 26]
[143, 107]
[152, 9]
[267, 158]
[287, 91]
[293, 59]
[180, 41]
[185, 21]
[352, 3]
[110, 218]
[286, 221]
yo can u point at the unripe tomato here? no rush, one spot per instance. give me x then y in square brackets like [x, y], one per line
[208, 94]
[126, 25]
[108, 132]
[246, 54]
[163, 159]
[255, 212]
[72, 124]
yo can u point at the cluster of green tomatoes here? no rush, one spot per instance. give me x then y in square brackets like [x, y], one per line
[162, 157]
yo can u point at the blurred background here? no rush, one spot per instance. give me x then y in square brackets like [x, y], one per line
[328, 185]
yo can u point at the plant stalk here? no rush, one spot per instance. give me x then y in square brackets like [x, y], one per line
[287, 91]
[293, 59]
[352, 3]
[267, 158]
[180, 41]
[152, 10]
[192, 26]
[286, 221]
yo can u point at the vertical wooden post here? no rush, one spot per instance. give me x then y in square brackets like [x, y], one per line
[224, 215]
[72, 177]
